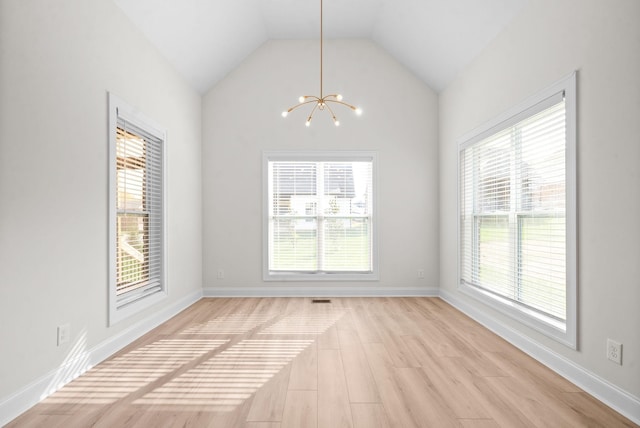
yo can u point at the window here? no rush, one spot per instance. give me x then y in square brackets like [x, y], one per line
[517, 212]
[319, 211]
[136, 204]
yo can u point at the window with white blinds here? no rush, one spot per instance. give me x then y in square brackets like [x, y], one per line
[137, 212]
[517, 211]
[320, 214]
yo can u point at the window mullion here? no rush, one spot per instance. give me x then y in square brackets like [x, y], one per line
[514, 207]
[475, 229]
[320, 195]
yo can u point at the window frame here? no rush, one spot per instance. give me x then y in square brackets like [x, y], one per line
[565, 333]
[119, 310]
[320, 156]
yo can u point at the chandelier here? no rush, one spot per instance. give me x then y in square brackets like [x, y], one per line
[323, 101]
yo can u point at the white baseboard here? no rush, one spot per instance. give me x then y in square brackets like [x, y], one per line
[316, 291]
[82, 360]
[616, 398]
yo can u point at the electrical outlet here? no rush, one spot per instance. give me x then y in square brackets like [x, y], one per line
[420, 273]
[220, 274]
[64, 334]
[614, 351]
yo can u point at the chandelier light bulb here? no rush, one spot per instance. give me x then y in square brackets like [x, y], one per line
[337, 122]
[301, 99]
[339, 97]
[285, 113]
[358, 111]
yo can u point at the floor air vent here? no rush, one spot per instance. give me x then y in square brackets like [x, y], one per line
[320, 300]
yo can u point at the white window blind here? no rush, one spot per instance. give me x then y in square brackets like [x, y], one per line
[320, 215]
[513, 231]
[137, 212]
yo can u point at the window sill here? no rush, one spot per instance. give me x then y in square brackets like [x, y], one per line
[117, 314]
[551, 327]
[319, 276]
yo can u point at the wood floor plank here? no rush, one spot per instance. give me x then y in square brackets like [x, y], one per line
[448, 387]
[538, 409]
[40, 420]
[366, 331]
[478, 337]
[423, 401]
[437, 342]
[398, 351]
[300, 410]
[362, 322]
[391, 393]
[516, 363]
[168, 419]
[478, 423]
[369, 415]
[500, 409]
[124, 417]
[360, 383]
[262, 425]
[268, 401]
[329, 339]
[423, 308]
[334, 410]
[304, 370]
[345, 322]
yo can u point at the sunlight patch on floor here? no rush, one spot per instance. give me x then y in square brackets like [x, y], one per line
[305, 323]
[116, 378]
[229, 378]
[229, 324]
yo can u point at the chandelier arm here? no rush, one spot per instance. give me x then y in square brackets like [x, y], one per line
[301, 104]
[311, 114]
[343, 103]
[333, 115]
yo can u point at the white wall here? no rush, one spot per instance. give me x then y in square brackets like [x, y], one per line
[57, 62]
[551, 38]
[241, 118]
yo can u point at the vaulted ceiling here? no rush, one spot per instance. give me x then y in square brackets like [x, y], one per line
[206, 39]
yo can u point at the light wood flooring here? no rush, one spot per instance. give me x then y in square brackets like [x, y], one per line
[288, 363]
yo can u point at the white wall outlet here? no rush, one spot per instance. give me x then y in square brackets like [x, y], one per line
[614, 351]
[420, 273]
[64, 334]
[220, 274]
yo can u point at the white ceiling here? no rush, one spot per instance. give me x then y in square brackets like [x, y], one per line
[206, 39]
